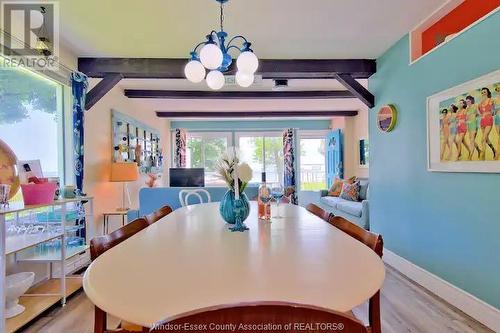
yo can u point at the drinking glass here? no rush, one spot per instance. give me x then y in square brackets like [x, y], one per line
[277, 192]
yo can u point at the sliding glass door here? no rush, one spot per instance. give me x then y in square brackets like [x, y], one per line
[203, 150]
[263, 151]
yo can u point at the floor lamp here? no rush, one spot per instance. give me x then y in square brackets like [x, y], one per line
[124, 172]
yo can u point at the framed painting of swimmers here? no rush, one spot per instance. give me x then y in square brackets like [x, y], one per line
[463, 127]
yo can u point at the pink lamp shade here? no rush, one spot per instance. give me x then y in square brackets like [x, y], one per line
[124, 172]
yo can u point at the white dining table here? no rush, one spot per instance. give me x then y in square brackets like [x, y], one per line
[190, 260]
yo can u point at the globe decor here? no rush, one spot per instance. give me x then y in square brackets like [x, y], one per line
[234, 206]
[213, 55]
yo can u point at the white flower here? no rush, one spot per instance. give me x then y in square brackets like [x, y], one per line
[245, 172]
[225, 165]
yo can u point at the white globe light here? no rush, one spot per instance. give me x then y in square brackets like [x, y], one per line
[247, 62]
[211, 56]
[215, 80]
[194, 71]
[244, 79]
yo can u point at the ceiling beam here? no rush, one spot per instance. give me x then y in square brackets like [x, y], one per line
[195, 94]
[166, 68]
[246, 114]
[101, 89]
[356, 89]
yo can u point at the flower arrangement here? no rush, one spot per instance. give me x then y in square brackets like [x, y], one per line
[225, 169]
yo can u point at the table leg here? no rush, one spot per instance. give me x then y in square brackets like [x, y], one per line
[123, 220]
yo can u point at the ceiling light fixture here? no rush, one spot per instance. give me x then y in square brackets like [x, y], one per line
[214, 56]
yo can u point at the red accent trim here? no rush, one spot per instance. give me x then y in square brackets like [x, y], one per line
[455, 21]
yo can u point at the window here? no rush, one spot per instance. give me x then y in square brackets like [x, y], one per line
[203, 150]
[31, 118]
[312, 163]
[263, 152]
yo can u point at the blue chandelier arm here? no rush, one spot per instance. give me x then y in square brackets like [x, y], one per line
[237, 37]
[233, 46]
[195, 50]
[210, 37]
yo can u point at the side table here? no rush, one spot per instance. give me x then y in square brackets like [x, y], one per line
[107, 215]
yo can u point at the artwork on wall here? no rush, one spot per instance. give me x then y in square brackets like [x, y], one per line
[463, 127]
[387, 118]
[136, 142]
[364, 152]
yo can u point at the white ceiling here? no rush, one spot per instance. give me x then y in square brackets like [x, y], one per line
[284, 29]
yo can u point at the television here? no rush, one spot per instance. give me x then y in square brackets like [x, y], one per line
[187, 177]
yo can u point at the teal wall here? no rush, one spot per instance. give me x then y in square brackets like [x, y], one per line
[251, 124]
[446, 223]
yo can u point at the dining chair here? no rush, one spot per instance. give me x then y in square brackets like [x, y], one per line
[374, 242]
[319, 212]
[101, 244]
[185, 194]
[284, 317]
[158, 214]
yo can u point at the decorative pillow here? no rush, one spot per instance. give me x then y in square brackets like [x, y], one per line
[350, 191]
[336, 188]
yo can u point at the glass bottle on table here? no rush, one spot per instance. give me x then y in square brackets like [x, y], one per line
[264, 200]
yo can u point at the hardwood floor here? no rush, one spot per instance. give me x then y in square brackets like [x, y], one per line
[406, 307]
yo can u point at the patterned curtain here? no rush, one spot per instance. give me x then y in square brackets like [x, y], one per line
[180, 148]
[289, 165]
[79, 85]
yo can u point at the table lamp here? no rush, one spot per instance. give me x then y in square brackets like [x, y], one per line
[124, 172]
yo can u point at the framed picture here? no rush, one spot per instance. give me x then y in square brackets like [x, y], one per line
[364, 153]
[134, 141]
[463, 127]
[387, 118]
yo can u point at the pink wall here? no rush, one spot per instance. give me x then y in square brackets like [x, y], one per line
[98, 151]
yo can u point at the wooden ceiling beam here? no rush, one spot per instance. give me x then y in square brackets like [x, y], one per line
[168, 68]
[248, 94]
[258, 114]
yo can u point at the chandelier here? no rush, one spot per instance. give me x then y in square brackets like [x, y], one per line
[214, 56]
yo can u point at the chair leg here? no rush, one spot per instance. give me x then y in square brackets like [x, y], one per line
[100, 320]
[374, 313]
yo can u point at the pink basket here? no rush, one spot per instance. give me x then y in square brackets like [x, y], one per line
[38, 194]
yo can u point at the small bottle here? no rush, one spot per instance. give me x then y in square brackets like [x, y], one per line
[264, 200]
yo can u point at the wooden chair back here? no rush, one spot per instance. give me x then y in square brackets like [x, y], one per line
[100, 244]
[297, 316]
[319, 212]
[374, 242]
[158, 214]
[370, 239]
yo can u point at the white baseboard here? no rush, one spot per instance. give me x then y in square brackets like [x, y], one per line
[471, 305]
